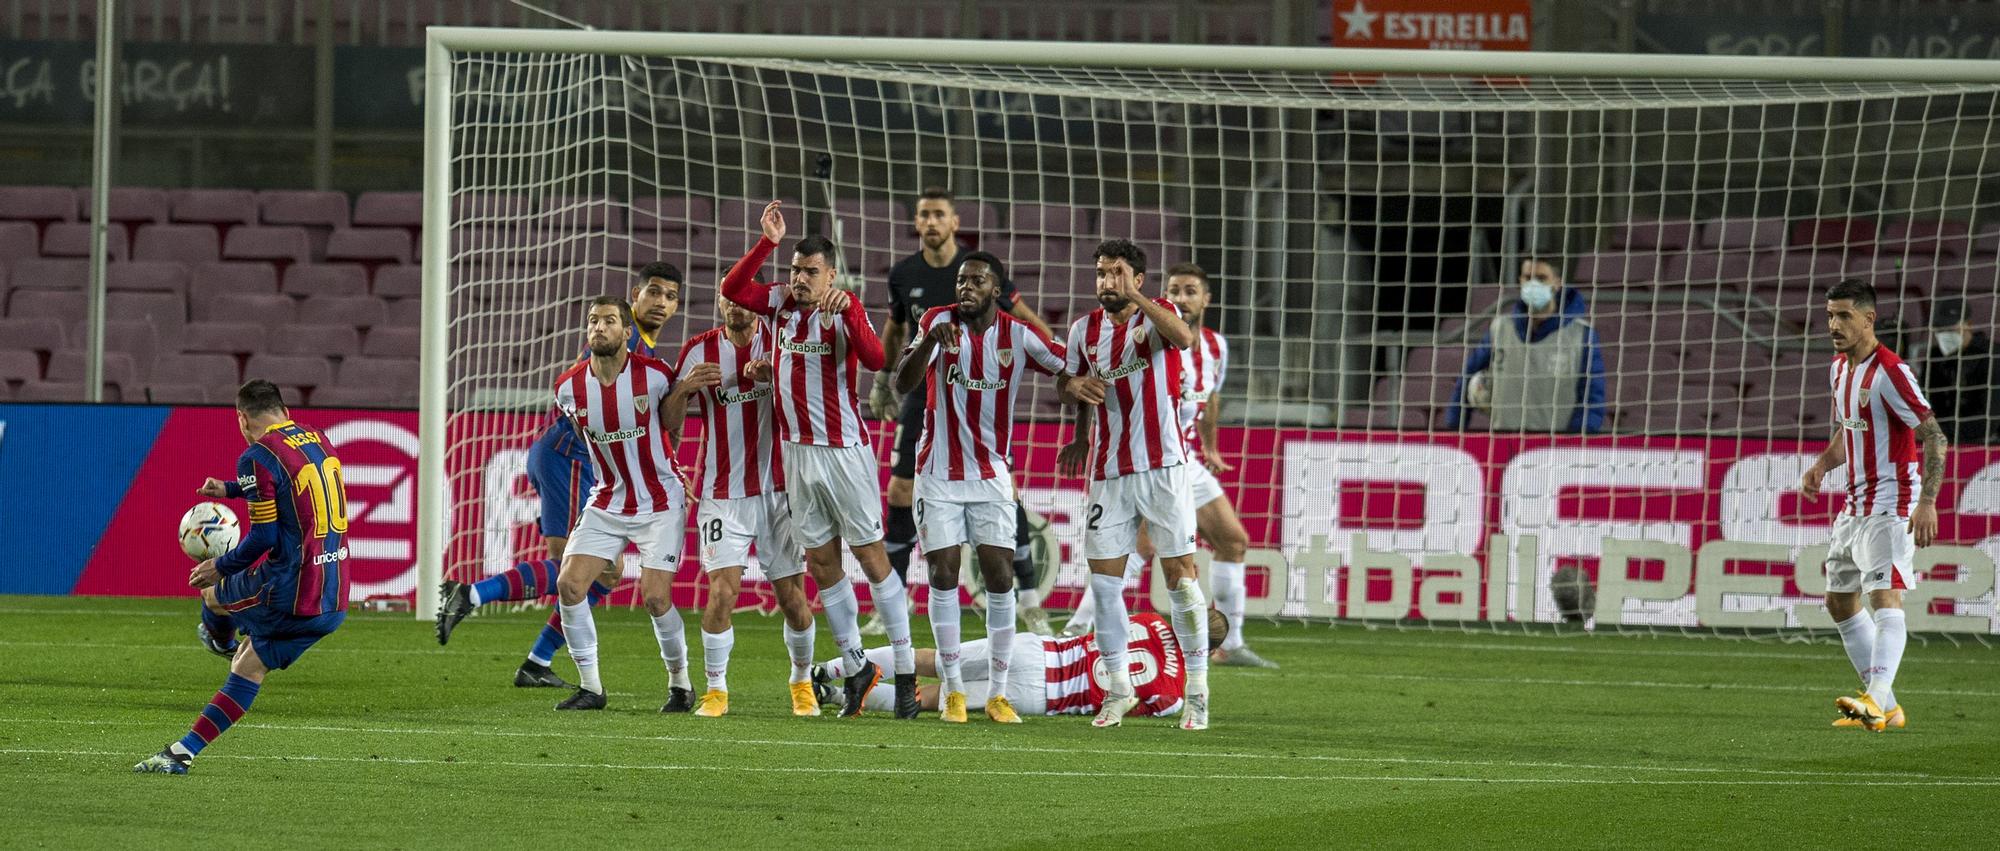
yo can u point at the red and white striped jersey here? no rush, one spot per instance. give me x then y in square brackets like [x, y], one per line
[739, 447]
[1138, 427]
[969, 395]
[1159, 674]
[1878, 407]
[1204, 365]
[818, 359]
[628, 444]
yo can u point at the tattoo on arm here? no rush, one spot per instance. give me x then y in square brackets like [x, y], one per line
[1934, 447]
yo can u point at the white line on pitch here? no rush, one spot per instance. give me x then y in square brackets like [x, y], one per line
[1836, 780]
[1603, 651]
[1004, 749]
[1537, 681]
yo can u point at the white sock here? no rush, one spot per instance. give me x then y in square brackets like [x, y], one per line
[477, 600]
[999, 638]
[842, 614]
[580, 633]
[1891, 631]
[1085, 615]
[1135, 568]
[1191, 630]
[1111, 638]
[1031, 598]
[1230, 594]
[945, 626]
[799, 643]
[715, 648]
[893, 603]
[1857, 635]
[672, 633]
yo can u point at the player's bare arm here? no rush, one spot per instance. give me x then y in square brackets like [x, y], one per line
[758, 370]
[215, 488]
[1071, 459]
[1830, 459]
[1211, 455]
[1924, 520]
[911, 374]
[1080, 389]
[673, 410]
[1167, 322]
[204, 575]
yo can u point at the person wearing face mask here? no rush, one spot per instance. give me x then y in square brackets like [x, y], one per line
[1959, 367]
[1540, 365]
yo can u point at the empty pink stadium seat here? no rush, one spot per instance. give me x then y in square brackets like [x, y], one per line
[147, 277]
[1152, 228]
[289, 370]
[180, 393]
[326, 279]
[404, 312]
[134, 336]
[165, 312]
[506, 207]
[33, 333]
[263, 309]
[207, 280]
[60, 391]
[64, 306]
[1947, 239]
[131, 204]
[389, 209]
[354, 311]
[1653, 235]
[398, 374]
[72, 239]
[1707, 269]
[672, 213]
[314, 339]
[214, 206]
[37, 203]
[282, 245]
[68, 365]
[1743, 234]
[183, 243]
[1853, 235]
[398, 282]
[19, 366]
[229, 338]
[369, 245]
[1617, 268]
[582, 212]
[363, 396]
[17, 241]
[326, 210]
[208, 370]
[1059, 221]
[48, 273]
[393, 343]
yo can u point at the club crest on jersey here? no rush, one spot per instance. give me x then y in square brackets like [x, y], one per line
[641, 405]
[825, 319]
[1865, 396]
[1006, 358]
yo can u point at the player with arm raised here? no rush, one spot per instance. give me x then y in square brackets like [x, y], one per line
[619, 401]
[559, 468]
[1895, 454]
[969, 358]
[922, 281]
[1124, 359]
[823, 339]
[1206, 363]
[285, 584]
[743, 502]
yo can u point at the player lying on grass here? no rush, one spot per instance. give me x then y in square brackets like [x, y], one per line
[298, 594]
[1051, 675]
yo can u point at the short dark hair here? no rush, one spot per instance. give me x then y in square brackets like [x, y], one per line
[1191, 270]
[1856, 290]
[1552, 261]
[658, 269]
[258, 396]
[815, 245]
[935, 192]
[992, 262]
[624, 307]
[1122, 249]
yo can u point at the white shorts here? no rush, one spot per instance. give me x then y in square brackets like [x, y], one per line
[1160, 497]
[1875, 552]
[659, 536]
[1027, 680]
[727, 527]
[1203, 484]
[836, 492]
[954, 513]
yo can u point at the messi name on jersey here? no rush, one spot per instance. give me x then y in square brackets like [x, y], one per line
[954, 375]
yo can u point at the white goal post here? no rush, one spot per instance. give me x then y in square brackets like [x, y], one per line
[1362, 212]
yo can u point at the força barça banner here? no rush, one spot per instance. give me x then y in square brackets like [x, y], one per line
[1677, 531]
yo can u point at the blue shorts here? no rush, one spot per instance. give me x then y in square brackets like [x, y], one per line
[563, 483]
[278, 637]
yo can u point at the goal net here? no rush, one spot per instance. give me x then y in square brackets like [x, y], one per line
[1408, 443]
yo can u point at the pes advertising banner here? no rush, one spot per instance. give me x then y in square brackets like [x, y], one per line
[1675, 531]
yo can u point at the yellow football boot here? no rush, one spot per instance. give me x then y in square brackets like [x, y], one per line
[804, 704]
[713, 704]
[1893, 719]
[953, 709]
[1863, 710]
[998, 709]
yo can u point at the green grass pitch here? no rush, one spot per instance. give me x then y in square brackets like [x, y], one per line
[379, 737]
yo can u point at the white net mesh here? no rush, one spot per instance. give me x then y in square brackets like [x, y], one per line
[1363, 234]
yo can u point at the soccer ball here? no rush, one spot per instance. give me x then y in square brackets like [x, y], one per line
[208, 530]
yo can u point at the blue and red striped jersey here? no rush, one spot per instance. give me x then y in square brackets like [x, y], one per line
[297, 544]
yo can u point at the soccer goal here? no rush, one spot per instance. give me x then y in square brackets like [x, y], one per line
[1364, 217]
